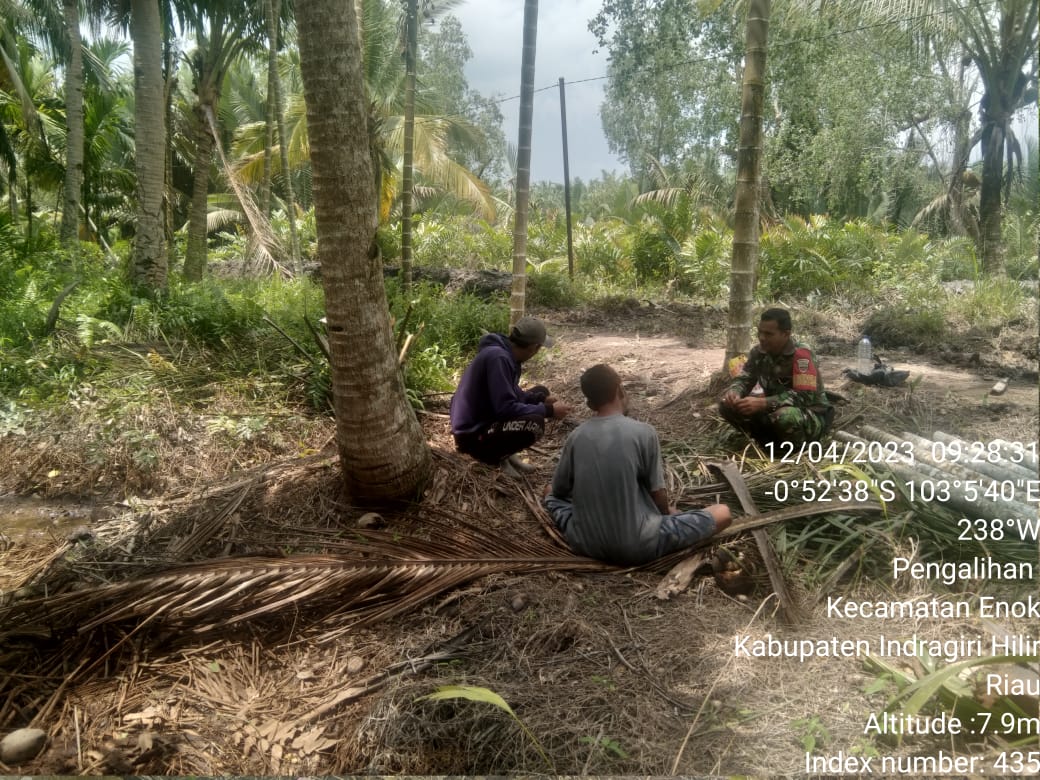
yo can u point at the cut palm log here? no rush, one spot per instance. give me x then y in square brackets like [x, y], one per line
[970, 486]
[991, 460]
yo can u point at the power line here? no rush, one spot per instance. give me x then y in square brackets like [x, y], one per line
[811, 39]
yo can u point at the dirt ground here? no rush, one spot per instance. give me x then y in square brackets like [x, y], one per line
[602, 677]
[663, 352]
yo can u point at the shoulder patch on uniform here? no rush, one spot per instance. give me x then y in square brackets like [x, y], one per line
[803, 374]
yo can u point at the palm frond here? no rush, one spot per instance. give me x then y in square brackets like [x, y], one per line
[433, 163]
[372, 577]
[264, 237]
[221, 218]
[667, 197]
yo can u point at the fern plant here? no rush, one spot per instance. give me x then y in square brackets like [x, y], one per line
[91, 331]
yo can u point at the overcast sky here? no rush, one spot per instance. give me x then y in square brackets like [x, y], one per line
[494, 30]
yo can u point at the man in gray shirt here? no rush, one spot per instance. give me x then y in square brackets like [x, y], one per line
[608, 496]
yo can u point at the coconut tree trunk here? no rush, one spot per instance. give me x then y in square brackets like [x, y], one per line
[274, 97]
[743, 271]
[221, 35]
[1006, 59]
[991, 239]
[74, 129]
[382, 449]
[195, 247]
[283, 155]
[269, 130]
[170, 60]
[517, 301]
[407, 164]
[962, 221]
[149, 251]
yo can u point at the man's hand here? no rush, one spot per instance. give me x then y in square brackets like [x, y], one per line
[730, 398]
[540, 393]
[560, 409]
[753, 404]
[550, 399]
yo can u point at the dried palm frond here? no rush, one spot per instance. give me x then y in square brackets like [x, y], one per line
[21, 565]
[374, 576]
[216, 594]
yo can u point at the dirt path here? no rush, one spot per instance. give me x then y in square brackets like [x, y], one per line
[653, 367]
[658, 367]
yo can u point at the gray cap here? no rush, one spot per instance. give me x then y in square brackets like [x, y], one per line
[530, 330]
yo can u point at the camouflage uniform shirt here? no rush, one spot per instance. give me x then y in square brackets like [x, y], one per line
[788, 379]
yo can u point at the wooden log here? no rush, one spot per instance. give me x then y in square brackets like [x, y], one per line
[991, 463]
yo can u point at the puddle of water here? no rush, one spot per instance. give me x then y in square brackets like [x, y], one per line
[31, 520]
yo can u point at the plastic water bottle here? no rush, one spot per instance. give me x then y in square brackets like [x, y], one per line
[864, 357]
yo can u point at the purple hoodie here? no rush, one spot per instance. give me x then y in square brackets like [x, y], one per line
[489, 390]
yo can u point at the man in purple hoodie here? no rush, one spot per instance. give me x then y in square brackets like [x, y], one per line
[492, 419]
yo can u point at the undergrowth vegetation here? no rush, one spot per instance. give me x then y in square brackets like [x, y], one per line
[240, 347]
[62, 321]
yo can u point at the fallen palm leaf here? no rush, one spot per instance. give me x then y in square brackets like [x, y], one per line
[487, 696]
[379, 575]
[217, 594]
[789, 609]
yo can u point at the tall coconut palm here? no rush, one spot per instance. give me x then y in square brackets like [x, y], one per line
[222, 30]
[382, 449]
[411, 47]
[517, 299]
[245, 114]
[275, 107]
[25, 27]
[1000, 38]
[272, 74]
[18, 116]
[34, 132]
[743, 271]
[434, 135]
[57, 26]
[108, 136]
[73, 189]
[150, 258]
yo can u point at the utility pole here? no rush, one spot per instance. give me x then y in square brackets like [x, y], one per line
[566, 181]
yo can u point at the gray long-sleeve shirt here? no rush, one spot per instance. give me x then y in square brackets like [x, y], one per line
[608, 468]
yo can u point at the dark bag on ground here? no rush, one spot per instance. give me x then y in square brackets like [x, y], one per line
[881, 376]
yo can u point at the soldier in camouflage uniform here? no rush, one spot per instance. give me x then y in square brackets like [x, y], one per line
[794, 406]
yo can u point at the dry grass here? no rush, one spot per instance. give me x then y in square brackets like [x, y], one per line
[269, 697]
[153, 445]
[609, 679]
